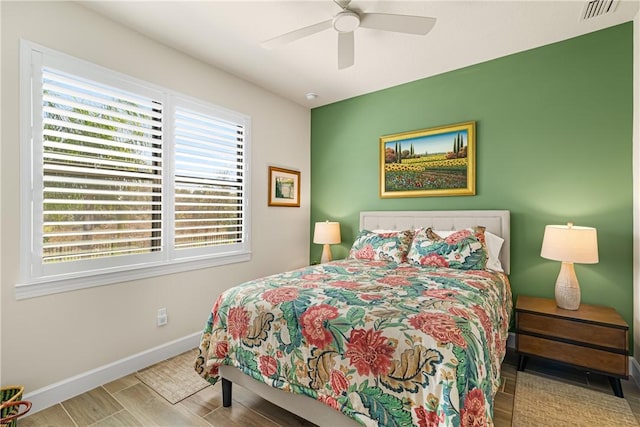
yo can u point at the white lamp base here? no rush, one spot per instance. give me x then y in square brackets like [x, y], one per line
[567, 288]
[326, 254]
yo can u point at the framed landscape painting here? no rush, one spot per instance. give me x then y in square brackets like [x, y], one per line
[284, 187]
[438, 161]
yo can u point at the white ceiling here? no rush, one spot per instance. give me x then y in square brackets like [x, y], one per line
[227, 35]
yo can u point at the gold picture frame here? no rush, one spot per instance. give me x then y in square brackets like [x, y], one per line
[439, 161]
[284, 187]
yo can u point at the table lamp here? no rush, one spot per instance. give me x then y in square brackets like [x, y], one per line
[326, 233]
[569, 244]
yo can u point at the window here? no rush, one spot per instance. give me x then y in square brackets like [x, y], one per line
[102, 164]
[122, 179]
[209, 181]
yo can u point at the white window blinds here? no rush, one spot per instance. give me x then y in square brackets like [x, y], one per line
[123, 179]
[102, 170]
[209, 180]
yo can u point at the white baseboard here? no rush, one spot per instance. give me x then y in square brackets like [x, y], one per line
[58, 392]
[634, 371]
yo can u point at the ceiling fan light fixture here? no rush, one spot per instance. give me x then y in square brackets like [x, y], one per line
[346, 21]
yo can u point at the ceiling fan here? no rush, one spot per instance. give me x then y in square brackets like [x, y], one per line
[347, 21]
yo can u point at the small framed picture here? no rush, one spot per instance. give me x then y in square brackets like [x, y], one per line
[284, 187]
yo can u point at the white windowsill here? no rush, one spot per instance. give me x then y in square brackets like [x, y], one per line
[54, 285]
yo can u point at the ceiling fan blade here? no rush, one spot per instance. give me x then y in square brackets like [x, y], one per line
[296, 34]
[345, 50]
[409, 24]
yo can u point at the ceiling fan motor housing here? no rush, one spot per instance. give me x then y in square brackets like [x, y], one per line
[346, 21]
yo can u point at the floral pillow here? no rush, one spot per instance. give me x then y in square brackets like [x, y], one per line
[463, 250]
[382, 246]
[493, 244]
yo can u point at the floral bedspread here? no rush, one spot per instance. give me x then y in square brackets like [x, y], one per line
[386, 344]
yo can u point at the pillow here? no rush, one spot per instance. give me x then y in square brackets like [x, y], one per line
[463, 249]
[382, 246]
[494, 246]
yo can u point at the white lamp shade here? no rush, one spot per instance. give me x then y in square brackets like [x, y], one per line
[326, 233]
[568, 243]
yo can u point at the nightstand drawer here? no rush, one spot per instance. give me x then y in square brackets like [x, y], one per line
[590, 358]
[597, 335]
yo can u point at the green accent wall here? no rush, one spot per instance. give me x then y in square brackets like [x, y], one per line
[554, 144]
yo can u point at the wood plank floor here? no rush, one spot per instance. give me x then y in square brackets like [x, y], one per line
[129, 402]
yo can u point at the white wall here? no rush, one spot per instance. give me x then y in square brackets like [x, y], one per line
[636, 194]
[53, 338]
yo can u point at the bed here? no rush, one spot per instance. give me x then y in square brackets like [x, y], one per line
[410, 329]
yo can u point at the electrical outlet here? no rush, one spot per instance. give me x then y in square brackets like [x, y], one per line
[162, 317]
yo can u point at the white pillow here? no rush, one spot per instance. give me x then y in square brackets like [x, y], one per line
[494, 245]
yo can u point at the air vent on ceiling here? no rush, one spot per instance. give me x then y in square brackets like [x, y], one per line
[595, 8]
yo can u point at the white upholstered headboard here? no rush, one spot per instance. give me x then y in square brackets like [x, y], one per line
[497, 222]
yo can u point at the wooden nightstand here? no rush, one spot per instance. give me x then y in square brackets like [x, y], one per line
[593, 338]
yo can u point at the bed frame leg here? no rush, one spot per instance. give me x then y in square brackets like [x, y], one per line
[226, 392]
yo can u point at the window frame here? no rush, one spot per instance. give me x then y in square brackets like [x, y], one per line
[35, 280]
